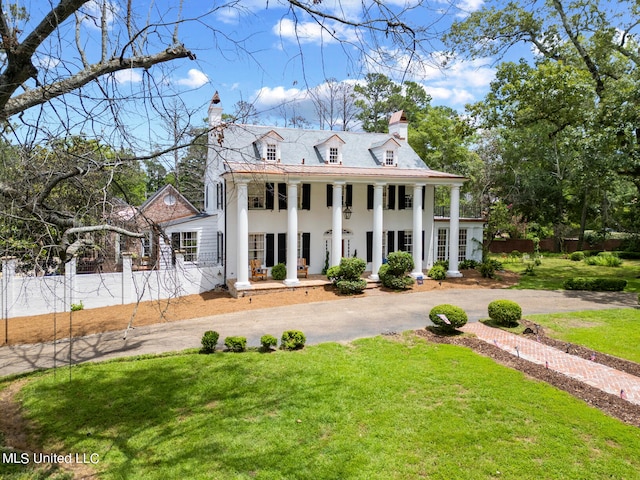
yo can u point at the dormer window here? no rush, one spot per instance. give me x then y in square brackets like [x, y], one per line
[333, 155]
[390, 158]
[272, 152]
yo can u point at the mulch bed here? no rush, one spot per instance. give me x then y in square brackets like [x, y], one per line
[610, 404]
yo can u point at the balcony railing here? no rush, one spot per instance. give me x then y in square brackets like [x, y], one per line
[466, 211]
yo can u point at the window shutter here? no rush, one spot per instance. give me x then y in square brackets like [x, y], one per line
[423, 245]
[401, 245]
[369, 197]
[329, 195]
[282, 248]
[306, 247]
[370, 247]
[282, 196]
[269, 246]
[391, 197]
[269, 196]
[424, 192]
[390, 241]
[220, 248]
[402, 197]
[306, 196]
[349, 199]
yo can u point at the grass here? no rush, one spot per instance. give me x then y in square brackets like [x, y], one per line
[615, 331]
[376, 409]
[554, 270]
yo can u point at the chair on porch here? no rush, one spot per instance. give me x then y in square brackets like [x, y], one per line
[257, 272]
[303, 269]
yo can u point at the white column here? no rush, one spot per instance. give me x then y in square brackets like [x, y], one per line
[377, 231]
[429, 234]
[242, 282]
[292, 235]
[336, 238]
[417, 230]
[127, 277]
[454, 232]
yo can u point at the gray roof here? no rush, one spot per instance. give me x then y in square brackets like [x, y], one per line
[240, 142]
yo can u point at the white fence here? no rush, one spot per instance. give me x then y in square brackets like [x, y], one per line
[22, 296]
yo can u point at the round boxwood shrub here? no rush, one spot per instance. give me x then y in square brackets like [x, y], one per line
[236, 344]
[292, 340]
[394, 273]
[456, 316]
[279, 271]
[209, 341]
[268, 342]
[350, 287]
[505, 312]
[576, 256]
[437, 272]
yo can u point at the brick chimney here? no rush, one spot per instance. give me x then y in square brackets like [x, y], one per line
[398, 125]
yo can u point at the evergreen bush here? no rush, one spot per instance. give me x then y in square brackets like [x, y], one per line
[236, 344]
[437, 272]
[346, 276]
[576, 256]
[209, 341]
[292, 340]
[268, 342]
[456, 317]
[505, 312]
[279, 271]
[394, 274]
[595, 284]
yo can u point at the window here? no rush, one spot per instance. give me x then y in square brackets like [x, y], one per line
[256, 247]
[389, 158]
[408, 242]
[187, 242]
[333, 155]
[220, 248]
[256, 193]
[408, 200]
[146, 245]
[442, 244]
[462, 245]
[271, 152]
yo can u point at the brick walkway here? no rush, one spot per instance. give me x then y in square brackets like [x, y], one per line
[592, 373]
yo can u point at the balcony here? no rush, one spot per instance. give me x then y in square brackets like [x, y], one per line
[466, 211]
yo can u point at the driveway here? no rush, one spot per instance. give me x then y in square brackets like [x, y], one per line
[339, 320]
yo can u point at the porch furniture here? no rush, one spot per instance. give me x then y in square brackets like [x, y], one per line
[303, 269]
[257, 271]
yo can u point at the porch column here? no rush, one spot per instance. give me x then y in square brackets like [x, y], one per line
[454, 232]
[417, 230]
[376, 260]
[292, 234]
[242, 282]
[336, 238]
[429, 234]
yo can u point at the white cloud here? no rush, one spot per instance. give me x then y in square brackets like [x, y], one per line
[268, 97]
[47, 62]
[195, 79]
[93, 13]
[312, 32]
[128, 76]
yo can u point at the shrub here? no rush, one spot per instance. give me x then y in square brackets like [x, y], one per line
[576, 256]
[236, 344]
[352, 268]
[443, 263]
[467, 265]
[349, 287]
[505, 312]
[488, 268]
[604, 259]
[268, 341]
[333, 274]
[393, 274]
[437, 272]
[279, 271]
[629, 255]
[529, 269]
[210, 341]
[292, 340]
[455, 315]
[77, 306]
[595, 284]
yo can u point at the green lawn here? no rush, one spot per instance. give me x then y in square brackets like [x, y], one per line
[376, 409]
[616, 331]
[554, 270]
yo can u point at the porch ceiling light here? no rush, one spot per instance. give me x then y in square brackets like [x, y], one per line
[347, 212]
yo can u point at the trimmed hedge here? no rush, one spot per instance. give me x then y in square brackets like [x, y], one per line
[576, 256]
[292, 340]
[279, 271]
[209, 341]
[456, 316]
[268, 341]
[346, 276]
[236, 344]
[505, 312]
[393, 274]
[595, 284]
[437, 272]
[350, 287]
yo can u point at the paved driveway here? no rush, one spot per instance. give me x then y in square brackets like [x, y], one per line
[339, 320]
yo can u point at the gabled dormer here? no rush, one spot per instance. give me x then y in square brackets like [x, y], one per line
[331, 150]
[386, 152]
[269, 147]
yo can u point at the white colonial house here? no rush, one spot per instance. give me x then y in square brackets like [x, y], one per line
[279, 195]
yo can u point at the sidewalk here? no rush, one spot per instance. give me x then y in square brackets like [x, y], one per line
[599, 376]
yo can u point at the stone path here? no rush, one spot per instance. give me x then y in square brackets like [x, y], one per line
[600, 376]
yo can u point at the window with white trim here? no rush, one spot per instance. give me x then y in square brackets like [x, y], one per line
[408, 200]
[334, 155]
[389, 158]
[256, 247]
[256, 194]
[462, 244]
[146, 244]
[408, 242]
[441, 253]
[187, 242]
[272, 152]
